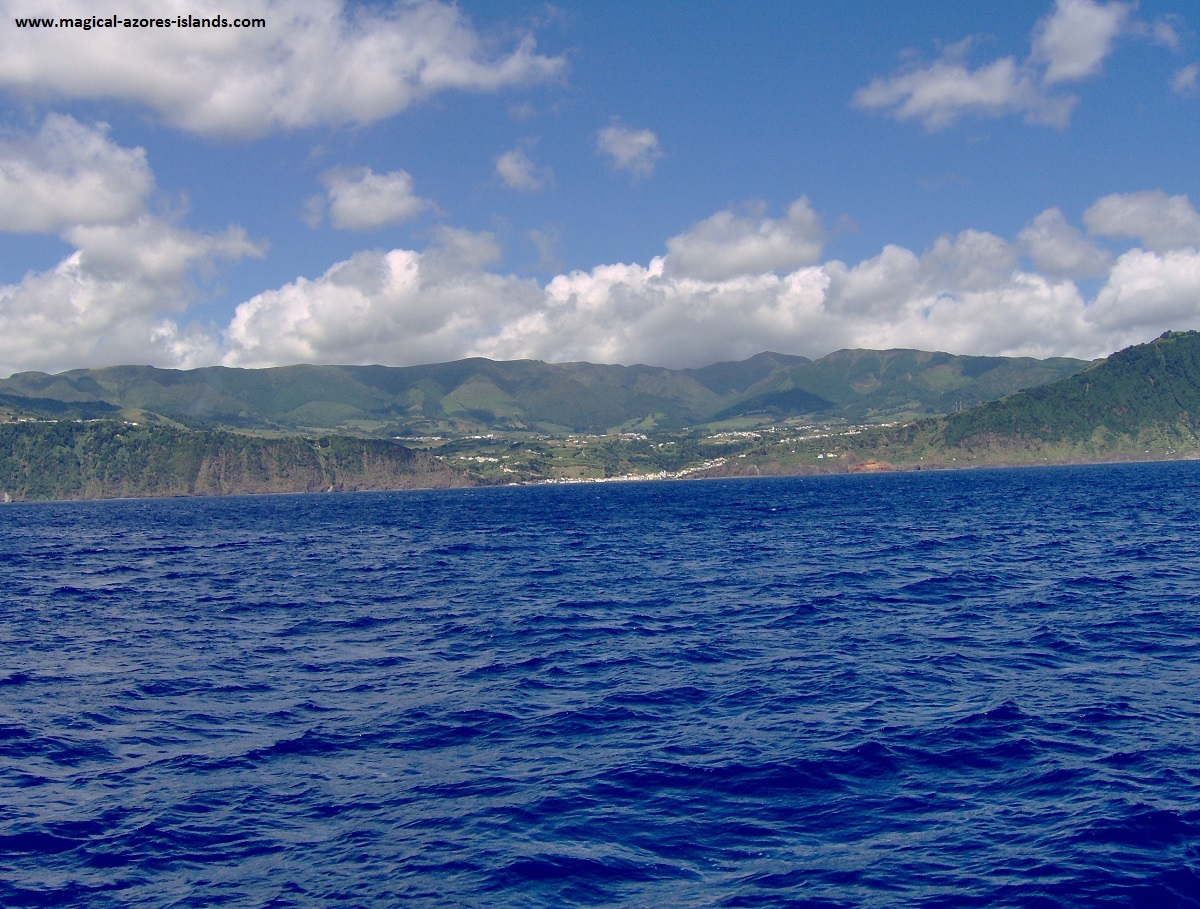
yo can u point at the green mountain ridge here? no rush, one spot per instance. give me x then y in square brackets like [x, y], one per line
[480, 395]
[1140, 403]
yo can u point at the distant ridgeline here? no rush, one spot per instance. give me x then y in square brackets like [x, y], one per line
[479, 395]
[109, 459]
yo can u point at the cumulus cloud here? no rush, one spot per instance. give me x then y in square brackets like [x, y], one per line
[1075, 39]
[360, 199]
[938, 94]
[1147, 291]
[732, 285]
[69, 174]
[1059, 249]
[316, 62]
[1162, 32]
[112, 299]
[965, 293]
[631, 313]
[729, 244]
[1187, 80]
[517, 170]
[1069, 44]
[396, 306]
[968, 293]
[632, 150]
[1159, 221]
[1026, 315]
[973, 260]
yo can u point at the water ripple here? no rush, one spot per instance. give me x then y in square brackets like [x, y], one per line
[966, 689]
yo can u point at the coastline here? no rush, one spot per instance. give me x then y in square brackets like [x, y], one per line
[708, 471]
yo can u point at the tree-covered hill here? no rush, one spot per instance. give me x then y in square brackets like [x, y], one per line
[862, 386]
[1144, 397]
[1140, 403]
[479, 395]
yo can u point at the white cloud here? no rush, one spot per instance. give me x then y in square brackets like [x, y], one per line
[972, 261]
[1060, 250]
[1148, 291]
[316, 62]
[1027, 315]
[111, 300]
[728, 244]
[1159, 221]
[1075, 39]
[518, 171]
[938, 94]
[155, 251]
[633, 150]
[1187, 80]
[942, 299]
[1163, 32]
[398, 306]
[360, 199]
[874, 287]
[966, 293]
[764, 288]
[547, 241]
[1069, 44]
[69, 174]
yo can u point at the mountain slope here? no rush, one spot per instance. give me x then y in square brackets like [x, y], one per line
[1140, 403]
[861, 386]
[479, 395]
[1145, 396]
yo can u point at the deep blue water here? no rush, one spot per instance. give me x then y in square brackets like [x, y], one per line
[977, 688]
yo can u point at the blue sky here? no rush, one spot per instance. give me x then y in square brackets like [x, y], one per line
[655, 182]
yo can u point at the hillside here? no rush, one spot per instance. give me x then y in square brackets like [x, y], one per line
[863, 386]
[479, 395]
[1140, 403]
[1143, 398]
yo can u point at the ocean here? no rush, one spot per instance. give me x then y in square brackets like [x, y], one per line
[934, 689]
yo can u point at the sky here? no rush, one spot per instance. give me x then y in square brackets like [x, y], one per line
[650, 182]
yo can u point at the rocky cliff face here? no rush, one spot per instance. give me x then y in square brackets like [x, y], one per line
[117, 460]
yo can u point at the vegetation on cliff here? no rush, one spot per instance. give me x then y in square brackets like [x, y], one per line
[107, 459]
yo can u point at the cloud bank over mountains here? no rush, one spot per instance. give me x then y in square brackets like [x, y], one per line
[737, 282]
[733, 285]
